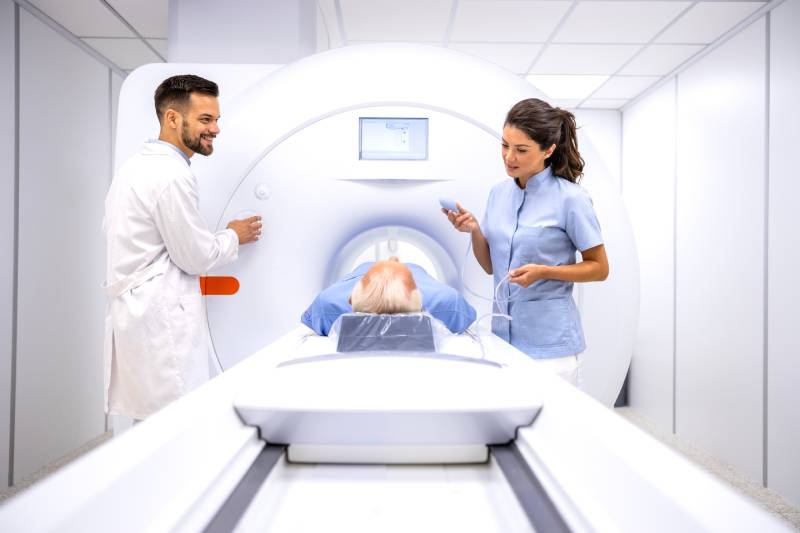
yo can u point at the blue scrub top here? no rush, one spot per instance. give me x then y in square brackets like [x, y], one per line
[545, 223]
[440, 300]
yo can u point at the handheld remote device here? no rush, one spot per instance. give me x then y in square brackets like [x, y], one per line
[448, 203]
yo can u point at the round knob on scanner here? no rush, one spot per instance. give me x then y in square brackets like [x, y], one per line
[262, 191]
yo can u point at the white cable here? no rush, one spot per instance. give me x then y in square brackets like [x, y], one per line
[476, 334]
[496, 298]
[494, 301]
[499, 315]
[477, 340]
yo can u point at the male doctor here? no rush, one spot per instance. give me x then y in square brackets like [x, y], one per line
[156, 346]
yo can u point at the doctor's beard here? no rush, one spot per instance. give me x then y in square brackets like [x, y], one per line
[195, 144]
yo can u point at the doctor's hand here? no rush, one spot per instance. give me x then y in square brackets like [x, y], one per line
[527, 274]
[462, 219]
[248, 229]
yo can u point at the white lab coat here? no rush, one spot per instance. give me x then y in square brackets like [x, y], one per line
[156, 346]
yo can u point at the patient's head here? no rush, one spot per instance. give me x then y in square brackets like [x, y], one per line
[387, 287]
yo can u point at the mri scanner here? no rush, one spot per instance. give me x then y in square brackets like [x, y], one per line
[293, 436]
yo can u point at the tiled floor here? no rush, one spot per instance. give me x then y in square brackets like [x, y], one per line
[52, 467]
[767, 498]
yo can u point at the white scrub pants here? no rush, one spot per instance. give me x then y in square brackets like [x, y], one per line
[567, 368]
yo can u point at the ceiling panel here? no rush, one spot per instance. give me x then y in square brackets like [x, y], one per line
[507, 21]
[584, 58]
[84, 18]
[618, 22]
[597, 39]
[125, 53]
[708, 20]
[566, 87]
[598, 103]
[624, 86]
[516, 57]
[160, 45]
[564, 103]
[659, 59]
[149, 17]
[389, 20]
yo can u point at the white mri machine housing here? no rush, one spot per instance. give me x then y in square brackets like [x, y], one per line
[289, 151]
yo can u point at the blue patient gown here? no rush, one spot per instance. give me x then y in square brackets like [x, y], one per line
[440, 300]
[545, 223]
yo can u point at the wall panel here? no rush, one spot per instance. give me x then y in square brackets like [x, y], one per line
[783, 429]
[648, 167]
[64, 166]
[116, 87]
[604, 129]
[720, 251]
[8, 148]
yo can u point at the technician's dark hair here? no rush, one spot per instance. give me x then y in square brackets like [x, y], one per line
[547, 125]
[174, 92]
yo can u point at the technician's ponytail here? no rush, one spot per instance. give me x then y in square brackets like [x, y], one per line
[566, 160]
[547, 125]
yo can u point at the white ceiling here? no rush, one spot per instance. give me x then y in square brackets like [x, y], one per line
[587, 53]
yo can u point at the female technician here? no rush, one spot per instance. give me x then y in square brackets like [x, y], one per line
[533, 226]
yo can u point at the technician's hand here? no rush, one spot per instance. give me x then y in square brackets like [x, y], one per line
[462, 219]
[248, 229]
[527, 274]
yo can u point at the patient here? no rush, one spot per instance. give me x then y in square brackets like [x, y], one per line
[388, 287]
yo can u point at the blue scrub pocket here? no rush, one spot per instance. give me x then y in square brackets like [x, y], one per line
[540, 324]
[544, 245]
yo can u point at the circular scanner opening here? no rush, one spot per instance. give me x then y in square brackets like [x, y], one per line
[405, 251]
[409, 245]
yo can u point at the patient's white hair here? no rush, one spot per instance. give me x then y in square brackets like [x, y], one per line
[388, 287]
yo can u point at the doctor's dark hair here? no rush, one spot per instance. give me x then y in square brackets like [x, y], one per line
[546, 126]
[174, 92]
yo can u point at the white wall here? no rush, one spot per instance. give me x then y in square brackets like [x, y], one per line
[8, 149]
[64, 170]
[649, 191]
[733, 249]
[116, 86]
[603, 128]
[783, 368]
[720, 251]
